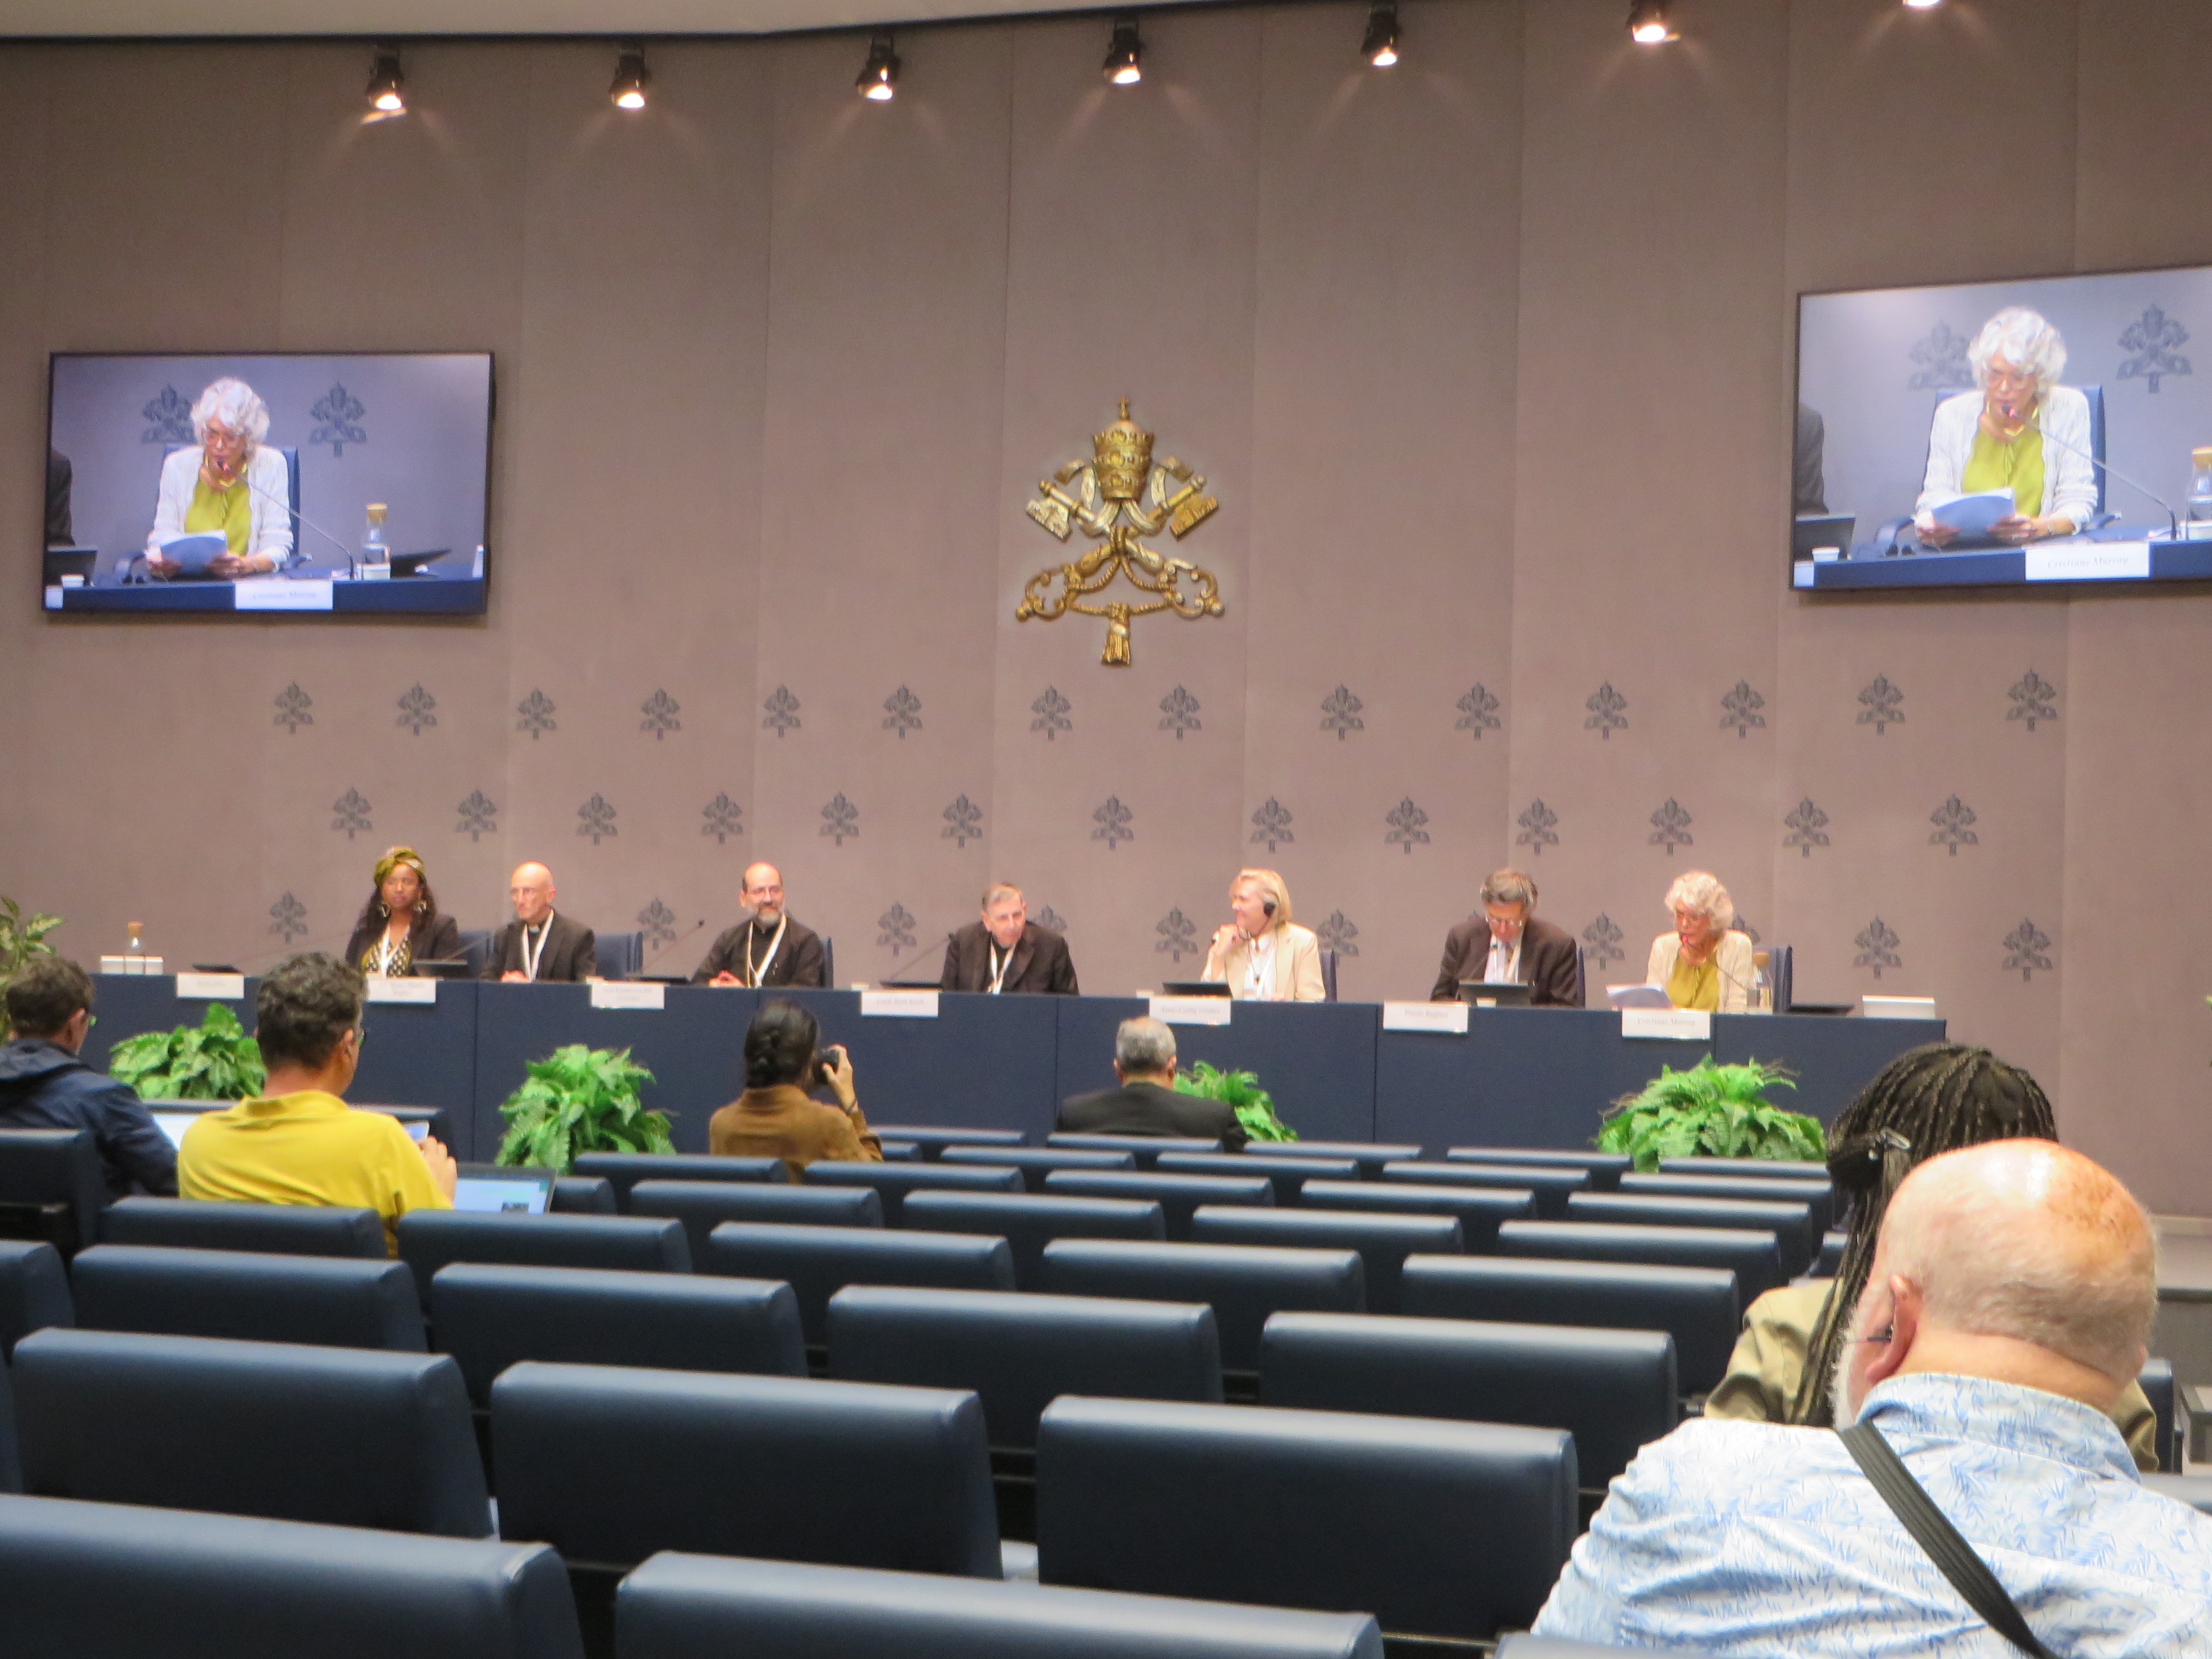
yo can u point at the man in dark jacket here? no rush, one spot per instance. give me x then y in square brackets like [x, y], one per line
[771, 948]
[44, 1085]
[540, 946]
[1005, 952]
[1507, 943]
[1148, 1102]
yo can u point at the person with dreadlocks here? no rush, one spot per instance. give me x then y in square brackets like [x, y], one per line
[1929, 1100]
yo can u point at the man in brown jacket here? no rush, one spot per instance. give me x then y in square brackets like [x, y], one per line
[775, 1117]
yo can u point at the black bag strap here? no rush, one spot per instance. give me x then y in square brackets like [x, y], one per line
[1953, 1555]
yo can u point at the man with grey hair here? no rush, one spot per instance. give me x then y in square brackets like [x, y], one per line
[1506, 944]
[1147, 1102]
[1003, 953]
[2010, 1301]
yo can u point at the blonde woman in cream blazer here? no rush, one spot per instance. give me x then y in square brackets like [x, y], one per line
[1289, 967]
[1703, 915]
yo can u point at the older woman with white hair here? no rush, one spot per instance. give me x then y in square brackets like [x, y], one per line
[227, 482]
[1261, 955]
[1704, 963]
[2020, 431]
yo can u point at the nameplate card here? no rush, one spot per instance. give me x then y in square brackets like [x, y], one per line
[1191, 1011]
[628, 993]
[898, 1005]
[2089, 561]
[1444, 1018]
[423, 991]
[212, 987]
[1674, 1024]
[283, 596]
[136, 967]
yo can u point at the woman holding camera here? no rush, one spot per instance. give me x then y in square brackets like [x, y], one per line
[775, 1117]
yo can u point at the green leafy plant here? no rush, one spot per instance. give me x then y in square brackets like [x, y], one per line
[214, 1060]
[580, 1100]
[21, 937]
[1255, 1106]
[1711, 1111]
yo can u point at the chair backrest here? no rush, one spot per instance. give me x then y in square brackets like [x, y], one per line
[1327, 974]
[1769, 1169]
[476, 949]
[1754, 1257]
[893, 1181]
[817, 1262]
[1582, 976]
[1696, 1306]
[1462, 1527]
[1792, 1224]
[51, 1186]
[829, 963]
[1020, 1352]
[1605, 1169]
[1552, 1184]
[2157, 1384]
[1146, 1149]
[11, 1463]
[286, 1229]
[692, 1606]
[582, 1196]
[1384, 1240]
[1178, 1196]
[1243, 1284]
[1479, 1209]
[1289, 1175]
[429, 1239]
[1614, 1391]
[105, 1580]
[1831, 1262]
[1782, 961]
[490, 1315]
[610, 1465]
[1370, 1155]
[620, 955]
[34, 1292]
[1029, 1221]
[936, 1140]
[703, 1205]
[352, 1437]
[1820, 1196]
[252, 1295]
[1035, 1163]
[625, 1169]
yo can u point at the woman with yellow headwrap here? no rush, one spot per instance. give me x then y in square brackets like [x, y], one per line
[400, 925]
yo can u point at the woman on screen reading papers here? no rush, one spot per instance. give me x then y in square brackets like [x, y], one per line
[1703, 963]
[227, 483]
[1263, 956]
[2022, 432]
[400, 925]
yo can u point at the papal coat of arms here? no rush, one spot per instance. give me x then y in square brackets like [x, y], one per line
[1119, 497]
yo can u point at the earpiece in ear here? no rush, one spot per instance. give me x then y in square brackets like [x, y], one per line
[1269, 907]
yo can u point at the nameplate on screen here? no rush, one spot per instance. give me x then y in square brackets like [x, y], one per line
[283, 596]
[423, 991]
[628, 993]
[2089, 561]
[899, 1004]
[212, 987]
[1676, 1025]
[1445, 1018]
[1191, 1011]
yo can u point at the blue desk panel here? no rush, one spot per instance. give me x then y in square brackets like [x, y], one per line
[984, 1062]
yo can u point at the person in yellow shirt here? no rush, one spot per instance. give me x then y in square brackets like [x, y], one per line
[299, 1143]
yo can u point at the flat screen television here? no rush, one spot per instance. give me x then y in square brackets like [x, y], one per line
[310, 483]
[1902, 425]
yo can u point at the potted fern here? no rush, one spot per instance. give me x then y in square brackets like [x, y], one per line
[215, 1059]
[580, 1100]
[1255, 1106]
[21, 937]
[1711, 1111]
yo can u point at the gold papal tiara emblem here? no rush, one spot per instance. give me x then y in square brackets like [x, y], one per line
[1119, 497]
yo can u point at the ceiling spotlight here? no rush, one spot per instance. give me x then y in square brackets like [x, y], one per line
[880, 76]
[1125, 57]
[387, 87]
[631, 78]
[1380, 47]
[1647, 23]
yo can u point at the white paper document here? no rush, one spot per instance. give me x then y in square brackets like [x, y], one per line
[192, 553]
[1972, 515]
[1637, 996]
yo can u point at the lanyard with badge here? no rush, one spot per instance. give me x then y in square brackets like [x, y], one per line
[998, 966]
[531, 957]
[755, 972]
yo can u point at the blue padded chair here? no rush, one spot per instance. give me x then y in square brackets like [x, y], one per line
[1243, 1284]
[1384, 1240]
[53, 1188]
[1328, 975]
[1480, 1210]
[34, 1292]
[351, 1436]
[1289, 1175]
[490, 1315]
[1460, 1528]
[690, 1607]
[1605, 1169]
[1792, 1224]
[11, 1464]
[703, 1205]
[107, 1581]
[1550, 1184]
[251, 1295]
[893, 1181]
[1696, 1306]
[1020, 1353]
[1179, 1196]
[1754, 1257]
[286, 1229]
[2194, 1490]
[1782, 974]
[582, 1196]
[1614, 1391]
[901, 1151]
[1820, 1196]
[829, 963]
[1029, 1221]
[1832, 1246]
[817, 1262]
[619, 956]
[936, 1140]
[1769, 1169]
[625, 1169]
[2157, 1384]
[1369, 1155]
[476, 949]
[1146, 1149]
[429, 1239]
[1035, 1163]
[610, 1465]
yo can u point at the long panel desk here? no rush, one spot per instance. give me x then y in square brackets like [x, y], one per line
[1521, 1077]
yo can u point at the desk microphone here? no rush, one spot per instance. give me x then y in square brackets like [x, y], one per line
[671, 943]
[2173, 519]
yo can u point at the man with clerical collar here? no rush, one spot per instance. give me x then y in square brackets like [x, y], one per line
[1005, 952]
[770, 948]
[540, 946]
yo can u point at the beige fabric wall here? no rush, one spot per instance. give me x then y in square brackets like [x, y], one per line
[777, 370]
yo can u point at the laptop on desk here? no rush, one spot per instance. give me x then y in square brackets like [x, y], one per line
[1494, 994]
[62, 562]
[502, 1189]
[1194, 988]
[1812, 534]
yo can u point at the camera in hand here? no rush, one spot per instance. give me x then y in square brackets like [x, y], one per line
[825, 1062]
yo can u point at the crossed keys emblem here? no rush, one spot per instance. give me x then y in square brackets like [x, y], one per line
[1109, 505]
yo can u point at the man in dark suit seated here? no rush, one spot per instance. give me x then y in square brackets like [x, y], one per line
[1148, 1102]
[540, 946]
[45, 1085]
[1005, 952]
[770, 948]
[1507, 943]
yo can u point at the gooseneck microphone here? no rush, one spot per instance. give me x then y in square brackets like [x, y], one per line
[673, 944]
[2173, 519]
[344, 552]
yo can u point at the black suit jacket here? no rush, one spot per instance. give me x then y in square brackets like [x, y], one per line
[1040, 963]
[1146, 1108]
[798, 959]
[436, 939]
[571, 952]
[1548, 962]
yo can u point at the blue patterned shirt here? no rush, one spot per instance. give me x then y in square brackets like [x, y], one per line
[1753, 1541]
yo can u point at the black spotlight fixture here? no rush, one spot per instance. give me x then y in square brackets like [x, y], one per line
[1125, 56]
[631, 77]
[1380, 47]
[387, 87]
[880, 76]
[1649, 24]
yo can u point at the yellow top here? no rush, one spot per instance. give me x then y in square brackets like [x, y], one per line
[308, 1148]
[1695, 985]
[230, 511]
[1997, 464]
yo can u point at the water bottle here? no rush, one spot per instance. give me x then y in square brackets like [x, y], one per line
[375, 554]
[2198, 527]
